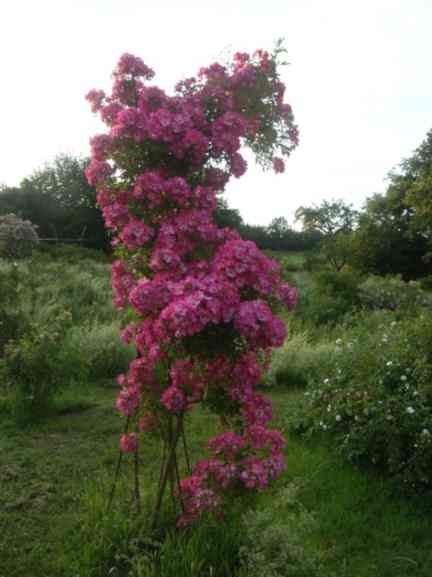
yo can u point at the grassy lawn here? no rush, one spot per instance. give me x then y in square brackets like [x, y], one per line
[42, 472]
[289, 259]
[51, 473]
[362, 528]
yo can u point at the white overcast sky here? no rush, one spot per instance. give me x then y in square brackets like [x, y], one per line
[359, 82]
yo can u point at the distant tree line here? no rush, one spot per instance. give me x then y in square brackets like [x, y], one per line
[277, 236]
[393, 232]
[58, 199]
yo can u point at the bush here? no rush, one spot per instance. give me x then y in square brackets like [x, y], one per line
[313, 261]
[392, 293]
[333, 296]
[31, 369]
[426, 283]
[12, 320]
[57, 329]
[17, 237]
[377, 399]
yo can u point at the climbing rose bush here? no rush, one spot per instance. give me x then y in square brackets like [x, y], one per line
[203, 299]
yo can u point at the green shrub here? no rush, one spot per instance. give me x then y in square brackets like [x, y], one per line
[313, 261]
[392, 293]
[377, 399]
[58, 328]
[12, 320]
[333, 295]
[426, 283]
[31, 370]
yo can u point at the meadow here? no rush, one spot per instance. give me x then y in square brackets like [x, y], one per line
[351, 390]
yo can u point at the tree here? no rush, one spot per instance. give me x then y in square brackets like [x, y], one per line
[58, 199]
[8, 199]
[395, 232]
[227, 217]
[335, 221]
[415, 177]
[328, 218]
[385, 241]
[278, 227]
[257, 234]
[337, 249]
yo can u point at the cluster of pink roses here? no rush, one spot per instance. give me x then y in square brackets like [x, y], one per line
[203, 297]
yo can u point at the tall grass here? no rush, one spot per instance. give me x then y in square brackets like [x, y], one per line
[94, 351]
[65, 300]
[299, 361]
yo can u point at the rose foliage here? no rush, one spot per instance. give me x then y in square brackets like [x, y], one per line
[202, 298]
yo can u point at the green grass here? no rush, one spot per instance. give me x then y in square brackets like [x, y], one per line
[43, 470]
[291, 261]
[299, 361]
[362, 528]
[55, 479]
[323, 519]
